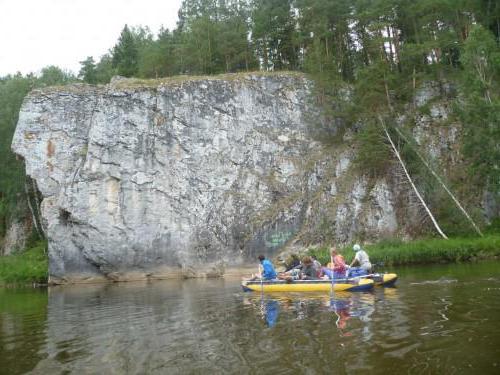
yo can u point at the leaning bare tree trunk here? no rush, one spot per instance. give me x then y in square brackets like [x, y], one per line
[395, 150]
[33, 214]
[444, 187]
[38, 206]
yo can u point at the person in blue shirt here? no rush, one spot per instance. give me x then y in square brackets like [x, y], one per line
[267, 271]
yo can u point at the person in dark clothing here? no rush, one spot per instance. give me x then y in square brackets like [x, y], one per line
[308, 271]
[292, 263]
[316, 264]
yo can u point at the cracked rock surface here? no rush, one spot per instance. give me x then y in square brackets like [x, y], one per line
[188, 177]
[163, 180]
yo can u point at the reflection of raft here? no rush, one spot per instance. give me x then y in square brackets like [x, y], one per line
[346, 285]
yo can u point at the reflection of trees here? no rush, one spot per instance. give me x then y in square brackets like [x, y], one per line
[23, 314]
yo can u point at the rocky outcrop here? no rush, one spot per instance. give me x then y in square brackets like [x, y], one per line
[183, 177]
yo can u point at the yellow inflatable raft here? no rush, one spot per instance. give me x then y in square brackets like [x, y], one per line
[351, 285]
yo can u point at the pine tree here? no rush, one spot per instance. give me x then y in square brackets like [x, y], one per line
[274, 34]
[88, 70]
[126, 54]
[104, 70]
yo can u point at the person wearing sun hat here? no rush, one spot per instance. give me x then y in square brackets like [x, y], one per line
[361, 258]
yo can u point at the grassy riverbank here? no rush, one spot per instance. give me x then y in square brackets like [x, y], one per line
[30, 266]
[394, 252]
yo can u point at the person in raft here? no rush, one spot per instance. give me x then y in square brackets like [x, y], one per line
[316, 264]
[308, 272]
[337, 262]
[362, 259]
[336, 268]
[292, 262]
[266, 269]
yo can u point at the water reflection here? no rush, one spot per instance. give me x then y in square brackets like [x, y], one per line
[23, 314]
[200, 326]
[270, 312]
[297, 306]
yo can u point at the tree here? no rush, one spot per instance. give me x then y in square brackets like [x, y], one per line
[273, 33]
[13, 89]
[480, 109]
[326, 37]
[104, 70]
[52, 76]
[12, 197]
[88, 70]
[481, 60]
[233, 42]
[125, 54]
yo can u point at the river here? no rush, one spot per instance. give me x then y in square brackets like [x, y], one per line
[442, 319]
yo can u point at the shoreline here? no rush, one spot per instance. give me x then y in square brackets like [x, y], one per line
[30, 268]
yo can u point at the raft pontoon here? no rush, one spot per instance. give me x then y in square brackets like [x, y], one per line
[353, 284]
[350, 285]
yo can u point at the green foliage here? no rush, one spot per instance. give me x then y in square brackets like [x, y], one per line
[373, 150]
[274, 34]
[493, 227]
[53, 76]
[12, 92]
[480, 108]
[88, 70]
[12, 199]
[104, 70]
[157, 58]
[396, 252]
[126, 53]
[215, 37]
[30, 266]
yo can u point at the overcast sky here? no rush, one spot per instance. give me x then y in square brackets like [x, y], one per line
[37, 33]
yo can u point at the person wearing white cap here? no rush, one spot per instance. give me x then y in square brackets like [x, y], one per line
[361, 258]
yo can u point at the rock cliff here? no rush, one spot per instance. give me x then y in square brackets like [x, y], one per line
[183, 177]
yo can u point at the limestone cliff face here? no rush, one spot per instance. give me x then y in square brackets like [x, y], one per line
[160, 179]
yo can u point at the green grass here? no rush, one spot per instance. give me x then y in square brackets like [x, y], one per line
[396, 252]
[30, 266]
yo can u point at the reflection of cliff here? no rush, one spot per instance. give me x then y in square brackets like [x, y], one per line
[200, 326]
[166, 327]
[23, 314]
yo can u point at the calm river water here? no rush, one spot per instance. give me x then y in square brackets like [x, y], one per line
[439, 320]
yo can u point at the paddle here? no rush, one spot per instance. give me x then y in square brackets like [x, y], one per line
[332, 295]
[261, 270]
